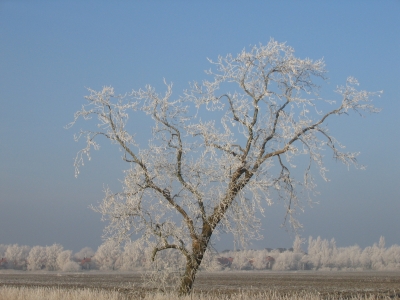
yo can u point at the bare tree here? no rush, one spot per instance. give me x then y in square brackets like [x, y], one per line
[219, 152]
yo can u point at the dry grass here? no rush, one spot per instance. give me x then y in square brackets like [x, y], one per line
[54, 293]
[51, 293]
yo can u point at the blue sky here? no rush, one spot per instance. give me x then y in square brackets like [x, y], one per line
[51, 50]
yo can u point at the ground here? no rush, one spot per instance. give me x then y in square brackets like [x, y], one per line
[343, 284]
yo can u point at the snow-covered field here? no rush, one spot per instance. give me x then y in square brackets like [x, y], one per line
[340, 284]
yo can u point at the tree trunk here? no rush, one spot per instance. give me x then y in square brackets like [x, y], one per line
[192, 265]
[199, 247]
[187, 279]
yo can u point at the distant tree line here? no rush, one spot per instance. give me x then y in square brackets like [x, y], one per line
[136, 256]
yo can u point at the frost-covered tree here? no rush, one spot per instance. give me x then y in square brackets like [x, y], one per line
[16, 256]
[83, 253]
[287, 261]
[3, 249]
[210, 262]
[377, 255]
[321, 253]
[221, 151]
[297, 244]
[65, 262]
[392, 257]
[63, 258]
[107, 255]
[52, 253]
[133, 256]
[37, 258]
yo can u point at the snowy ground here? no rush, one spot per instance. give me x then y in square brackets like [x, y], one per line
[338, 283]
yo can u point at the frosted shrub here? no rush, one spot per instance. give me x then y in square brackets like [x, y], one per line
[71, 266]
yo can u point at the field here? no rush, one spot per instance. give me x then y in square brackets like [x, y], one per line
[337, 284]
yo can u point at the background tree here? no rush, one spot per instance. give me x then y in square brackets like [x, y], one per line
[37, 258]
[219, 152]
[134, 256]
[16, 256]
[107, 255]
[297, 244]
[3, 249]
[52, 253]
[65, 262]
[83, 253]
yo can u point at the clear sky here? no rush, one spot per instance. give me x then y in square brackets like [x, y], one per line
[51, 50]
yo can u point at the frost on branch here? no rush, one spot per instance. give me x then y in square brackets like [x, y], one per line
[219, 153]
